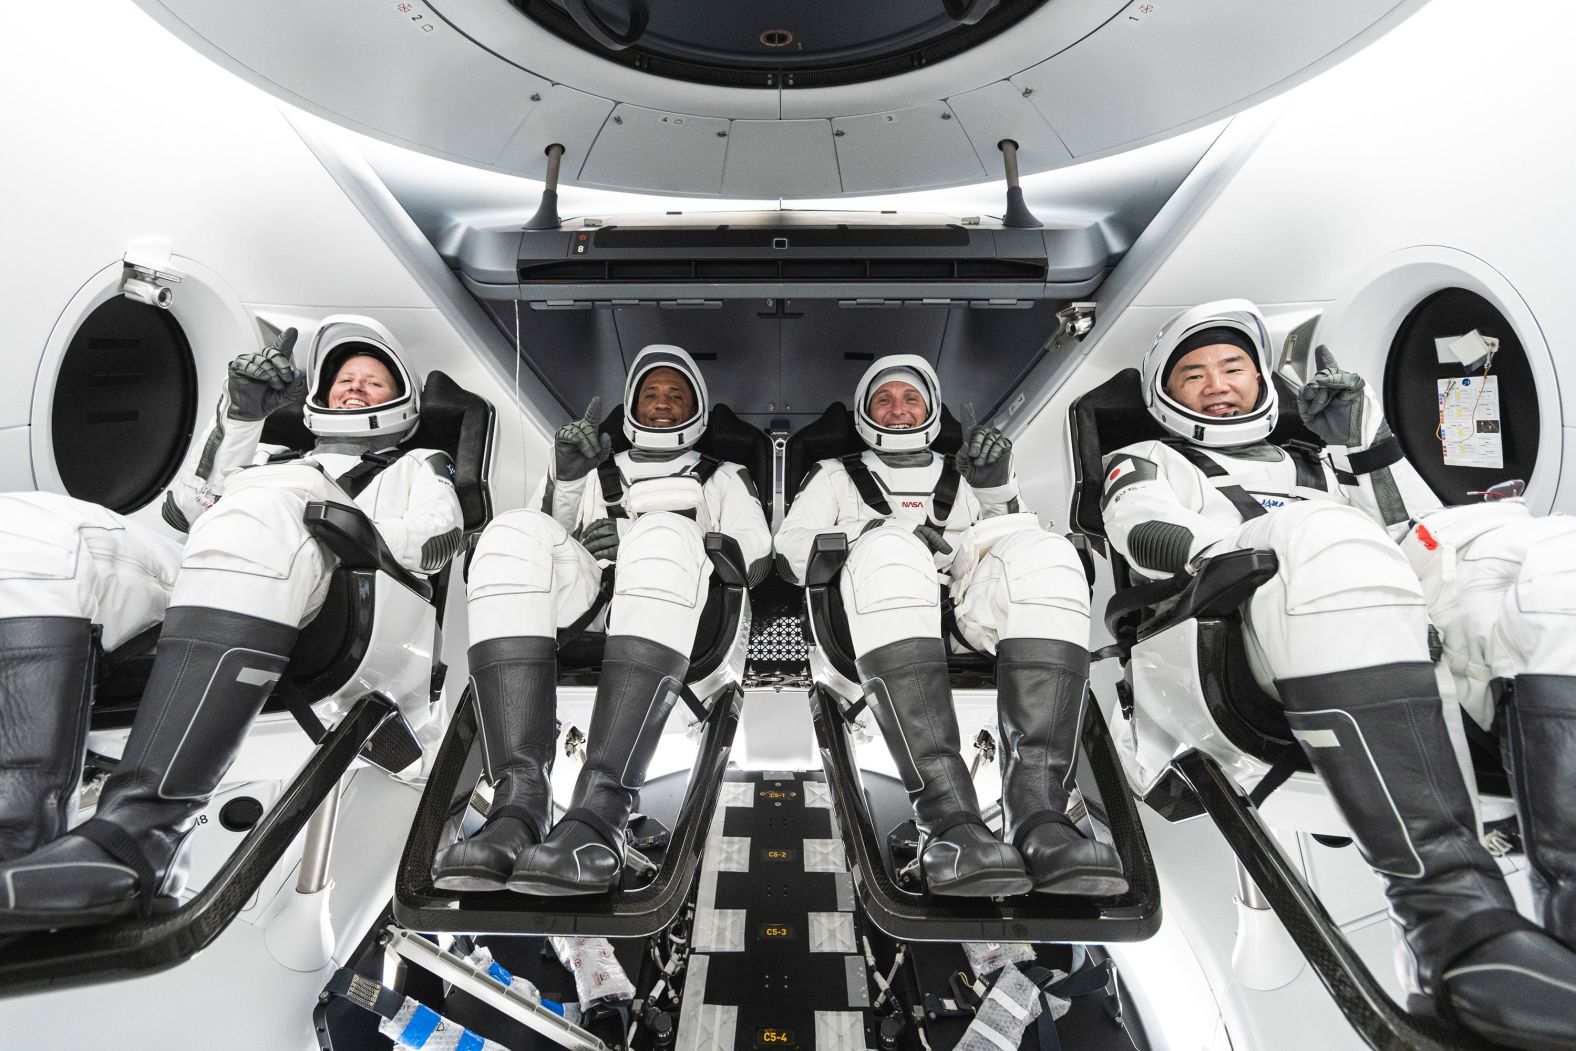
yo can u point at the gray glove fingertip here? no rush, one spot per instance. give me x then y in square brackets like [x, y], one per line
[1323, 360]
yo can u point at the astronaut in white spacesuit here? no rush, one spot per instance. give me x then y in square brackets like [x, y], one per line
[647, 511]
[917, 520]
[1341, 635]
[231, 600]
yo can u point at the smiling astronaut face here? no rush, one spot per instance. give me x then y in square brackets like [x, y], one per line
[362, 382]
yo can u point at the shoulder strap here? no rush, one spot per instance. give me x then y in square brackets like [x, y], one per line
[865, 482]
[612, 488]
[1246, 506]
[355, 481]
[705, 467]
[946, 493]
[1310, 469]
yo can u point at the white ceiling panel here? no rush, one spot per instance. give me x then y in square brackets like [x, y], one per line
[1000, 111]
[919, 146]
[565, 116]
[648, 149]
[1166, 63]
[781, 158]
[406, 75]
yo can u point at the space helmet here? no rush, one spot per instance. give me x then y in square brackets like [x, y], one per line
[339, 338]
[1234, 321]
[665, 439]
[910, 368]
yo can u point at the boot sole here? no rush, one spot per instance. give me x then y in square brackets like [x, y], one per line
[986, 883]
[469, 879]
[16, 921]
[1094, 883]
[543, 886]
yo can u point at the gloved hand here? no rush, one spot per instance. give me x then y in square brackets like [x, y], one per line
[985, 460]
[601, 539]
[578, 447]
[264, 382]
[1331, 404]
[928, 534]
[933, 538]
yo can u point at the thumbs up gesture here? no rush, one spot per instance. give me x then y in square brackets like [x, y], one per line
[578, 447]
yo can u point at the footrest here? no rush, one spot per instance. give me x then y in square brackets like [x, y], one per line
[1036, 918]
[636, 913]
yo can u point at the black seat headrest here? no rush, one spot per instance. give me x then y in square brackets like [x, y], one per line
[1113, 415]
[832, 434]
[452, 419]
[726, 438]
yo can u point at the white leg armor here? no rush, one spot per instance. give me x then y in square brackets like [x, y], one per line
[528, 577]
[252, 554]
[1343, 598]
[1029, 585]
[890, 589]
[1501, 588]
[659, 585]
[61, 557]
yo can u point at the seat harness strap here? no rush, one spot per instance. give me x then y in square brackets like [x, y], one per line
[941, 500]
[1246, 506]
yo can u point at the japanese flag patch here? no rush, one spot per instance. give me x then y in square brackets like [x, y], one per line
[1123, 471]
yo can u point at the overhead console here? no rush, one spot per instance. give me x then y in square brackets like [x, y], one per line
[856, 259]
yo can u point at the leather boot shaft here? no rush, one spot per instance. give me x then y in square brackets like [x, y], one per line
[1040, 687]
[910, 696]
[212, 673]
[584, 853]
[46, 693]
[515, 680]
[911, 699]
[1377, 738]
[1540, 744]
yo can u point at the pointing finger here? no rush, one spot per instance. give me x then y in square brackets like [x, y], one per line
[594, 410]
[1323, 358]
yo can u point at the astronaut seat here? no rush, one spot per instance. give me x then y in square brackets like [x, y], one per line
[649, 898]
[363, 681]
[369, 637]
[1188, 630]
[898, 906]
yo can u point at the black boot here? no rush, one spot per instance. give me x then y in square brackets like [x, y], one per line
[213, 671]
[1540, 743]
[46, 689]
[515, 681]
[1039, 699]
[585, 851]
[911, 699]
[1377, 738]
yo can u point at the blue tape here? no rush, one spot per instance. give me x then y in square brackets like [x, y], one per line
[497, 971]
[469, 1041]
[554, 1006]
[420, 1026]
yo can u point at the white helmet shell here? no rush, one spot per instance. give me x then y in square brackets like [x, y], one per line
[344, 336]
[665, 439]
[898, 439]
[1212, 431]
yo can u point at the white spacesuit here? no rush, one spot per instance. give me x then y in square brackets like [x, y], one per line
[231, 600]
[916, 521]
[1341, 635]
[647, 510]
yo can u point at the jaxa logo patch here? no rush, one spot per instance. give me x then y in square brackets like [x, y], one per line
[1124, 472]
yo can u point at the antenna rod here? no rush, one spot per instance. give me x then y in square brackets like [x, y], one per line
[546, 217]
[1018, 213]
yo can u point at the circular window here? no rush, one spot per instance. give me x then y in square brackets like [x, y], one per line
[1434, 406]
[124, 404]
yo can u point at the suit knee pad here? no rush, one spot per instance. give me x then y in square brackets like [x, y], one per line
[256, 532]
[663, 557]
[515, 555]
